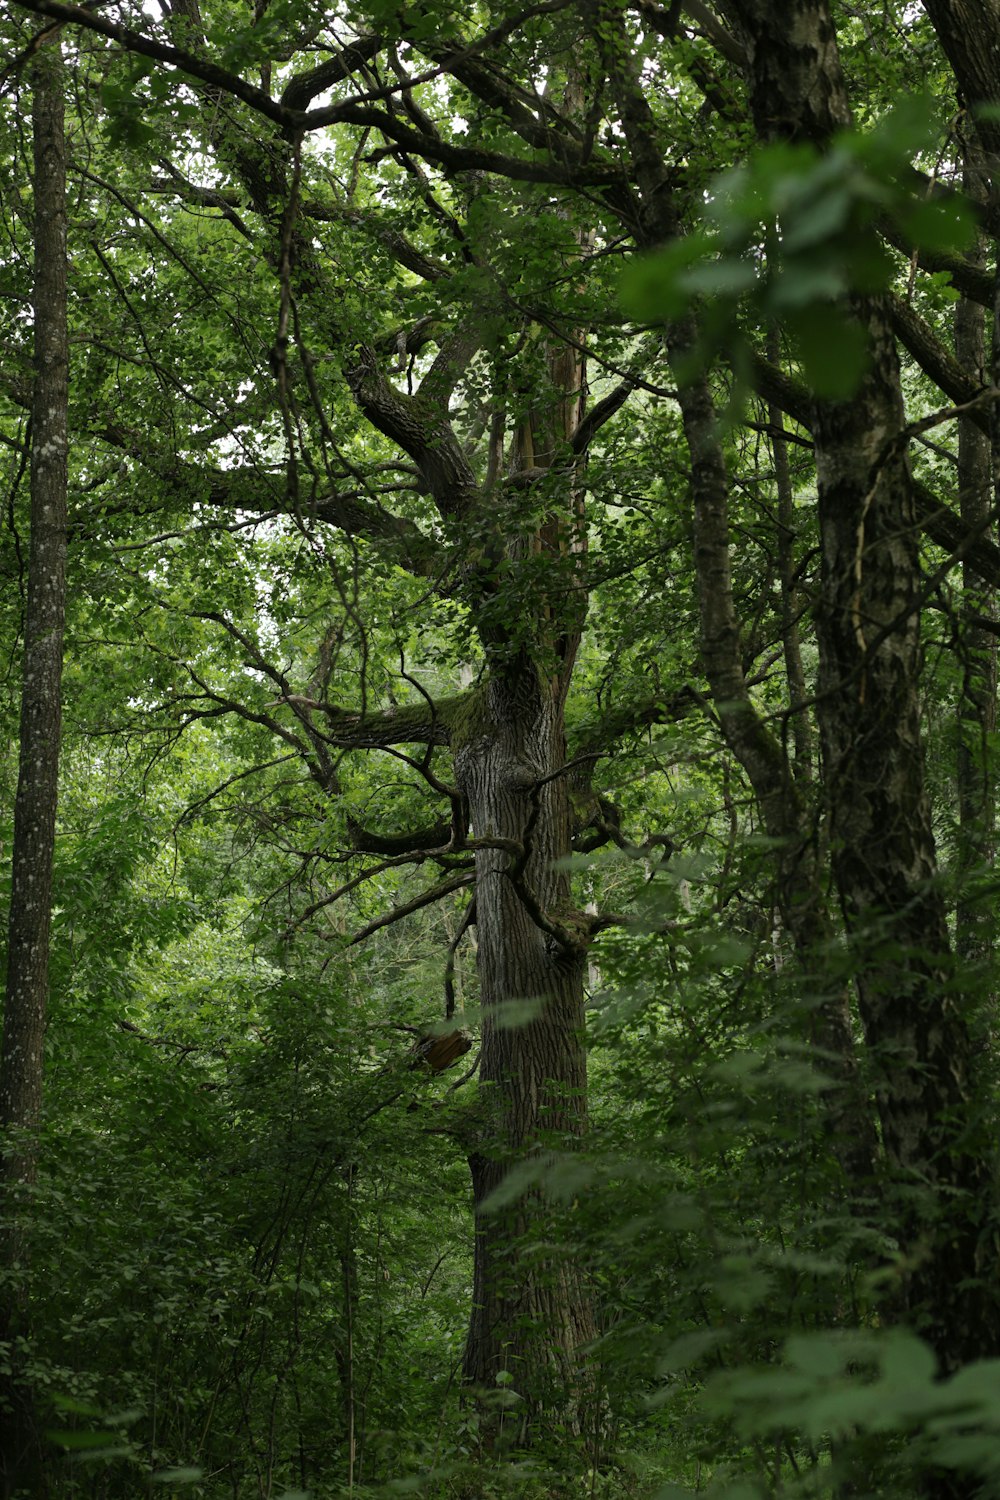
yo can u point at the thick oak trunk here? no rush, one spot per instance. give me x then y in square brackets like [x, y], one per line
[531, 1314]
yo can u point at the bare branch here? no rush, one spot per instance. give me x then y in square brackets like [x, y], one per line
[421, 428]
[937, 361]
[317, 741]
[469, 1073]
[395, 863]
[426, 898]
[196, 806]
[304, 87]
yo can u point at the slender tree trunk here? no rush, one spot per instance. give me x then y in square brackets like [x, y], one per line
[977, 709]
[884, 856]
[800, 895]
[869, 710]
[800, 722]
[940, 1156]
[347, 1367]
[21, 1063]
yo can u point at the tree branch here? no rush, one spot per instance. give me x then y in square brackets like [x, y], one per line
[936, 361]
[937, 519]
[413, 723]
[421, 428]
[174, 57]
[304, 87]
[972, 280]
[426, 898]
[437, 836]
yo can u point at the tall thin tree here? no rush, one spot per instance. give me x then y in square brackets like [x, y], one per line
[21, 1063]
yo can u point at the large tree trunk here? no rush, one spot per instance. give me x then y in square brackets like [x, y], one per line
[21, 1064]
[530, 1316]
[868, 705]
[885, 863]
[531, 1312]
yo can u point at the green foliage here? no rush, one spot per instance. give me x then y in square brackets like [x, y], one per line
[794, 234]
[250, 1236]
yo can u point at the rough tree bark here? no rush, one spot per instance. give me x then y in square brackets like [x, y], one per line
[531, 1312]
[530, 1316]
[780, 793]
[883, 848]
[21, 1063]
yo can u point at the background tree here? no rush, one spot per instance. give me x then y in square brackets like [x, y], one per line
[21, 1059]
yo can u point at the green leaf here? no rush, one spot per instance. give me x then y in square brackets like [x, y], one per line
[725, 277]
[79, 1441]
[687, 1350]
[652, 288]
[908, 1361]
[820, 221]
[935, 224]
[822, 1355]
[833, 349]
